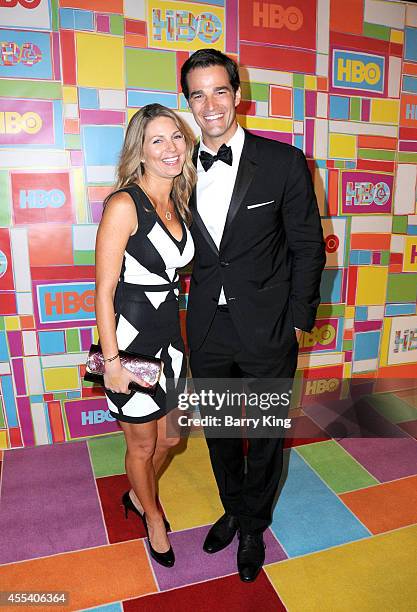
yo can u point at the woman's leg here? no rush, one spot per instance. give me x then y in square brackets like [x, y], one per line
[167, 438]
[141, 443]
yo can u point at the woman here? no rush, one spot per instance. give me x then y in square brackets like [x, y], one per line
[141, 241]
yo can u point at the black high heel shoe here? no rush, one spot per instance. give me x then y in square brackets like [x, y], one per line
[167, 559]
[129, 505]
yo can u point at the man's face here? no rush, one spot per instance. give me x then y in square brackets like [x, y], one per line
[213, 104]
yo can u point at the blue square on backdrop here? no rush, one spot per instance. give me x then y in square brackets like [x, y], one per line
[365, 257]
[339, 107]
[299, 141]
[88, 97]
[51, 342]
[73, 394]
[83, 20]
[410, 49]
[361, 313]
[409, 84]
[102, 144]
[66, 18]
[366, 345]
[36, 399]
[4, 351]
[354, 257]
[331, 286]
[298, 102]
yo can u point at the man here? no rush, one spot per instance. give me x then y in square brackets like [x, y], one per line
[254, 287]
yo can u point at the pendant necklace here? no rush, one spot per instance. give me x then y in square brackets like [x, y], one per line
[167, 215]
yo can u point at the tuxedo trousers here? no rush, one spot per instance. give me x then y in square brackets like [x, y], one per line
[247, 486]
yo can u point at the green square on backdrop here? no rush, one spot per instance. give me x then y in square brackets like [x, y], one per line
[399, 224]
[255, 91]
[385, 258]
[149, 69]
[117, 25]
[298, 80]
[402, 288]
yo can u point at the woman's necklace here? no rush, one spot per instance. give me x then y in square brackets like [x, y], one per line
[167, 213]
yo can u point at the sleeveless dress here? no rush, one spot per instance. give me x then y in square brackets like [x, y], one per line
[147, 312]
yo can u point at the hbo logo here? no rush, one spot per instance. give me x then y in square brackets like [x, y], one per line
[355, 71]
[39, 198]
[12, 122]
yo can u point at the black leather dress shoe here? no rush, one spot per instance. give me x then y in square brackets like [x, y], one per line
[221, 534]
[250, 556]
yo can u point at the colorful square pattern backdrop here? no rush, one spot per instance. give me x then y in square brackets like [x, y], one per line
[336, 79]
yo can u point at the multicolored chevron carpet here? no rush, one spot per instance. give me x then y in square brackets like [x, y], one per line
[344, 535]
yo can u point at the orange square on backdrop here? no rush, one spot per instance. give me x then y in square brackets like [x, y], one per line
[71, 126]
[281, 102]
[50, 245]
[346, 17]
[322, 84]
[27, 322]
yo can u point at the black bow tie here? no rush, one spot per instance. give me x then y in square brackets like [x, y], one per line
[224, 154]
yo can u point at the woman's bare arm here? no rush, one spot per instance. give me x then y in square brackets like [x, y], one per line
[119, 221]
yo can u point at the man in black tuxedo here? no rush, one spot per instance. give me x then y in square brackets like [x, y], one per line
[254, 287]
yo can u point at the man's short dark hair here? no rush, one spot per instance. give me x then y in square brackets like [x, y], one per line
[203, 58]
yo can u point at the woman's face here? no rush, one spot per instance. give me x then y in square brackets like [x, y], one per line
[164, 148]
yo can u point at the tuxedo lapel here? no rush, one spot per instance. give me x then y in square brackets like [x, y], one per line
[245, 174]
[195, 214]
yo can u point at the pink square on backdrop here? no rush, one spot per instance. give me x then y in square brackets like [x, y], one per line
[103, 23]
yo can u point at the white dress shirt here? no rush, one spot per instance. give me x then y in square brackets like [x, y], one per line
[215, 188]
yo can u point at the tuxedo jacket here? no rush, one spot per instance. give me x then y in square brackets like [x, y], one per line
[271, 255]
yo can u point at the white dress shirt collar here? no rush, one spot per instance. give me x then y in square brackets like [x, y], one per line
[236, 142]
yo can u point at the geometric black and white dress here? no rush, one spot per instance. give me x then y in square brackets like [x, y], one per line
[147, 312]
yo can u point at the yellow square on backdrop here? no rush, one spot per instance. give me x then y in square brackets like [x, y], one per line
[397, 36]
[3, 439]
[12, 323]
[371, 285]
[310, 82]
[69, 95]
[349, 312]
[79, 192]
[342, 146]
[100, 61]
[57, 379]
[384, 347]
[130, 113]
[385, 111]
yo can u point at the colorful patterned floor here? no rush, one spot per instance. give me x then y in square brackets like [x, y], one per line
[344, 535]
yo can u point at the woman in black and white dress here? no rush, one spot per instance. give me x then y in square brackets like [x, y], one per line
[142, 240]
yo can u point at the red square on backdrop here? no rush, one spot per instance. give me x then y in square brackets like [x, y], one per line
[288, 23]
[50, 245]
[281, 102]
[41, 197]
[8, 303]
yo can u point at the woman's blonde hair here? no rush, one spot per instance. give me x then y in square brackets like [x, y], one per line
[130, 168]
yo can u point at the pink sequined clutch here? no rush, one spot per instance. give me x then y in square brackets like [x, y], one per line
[147, 368]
